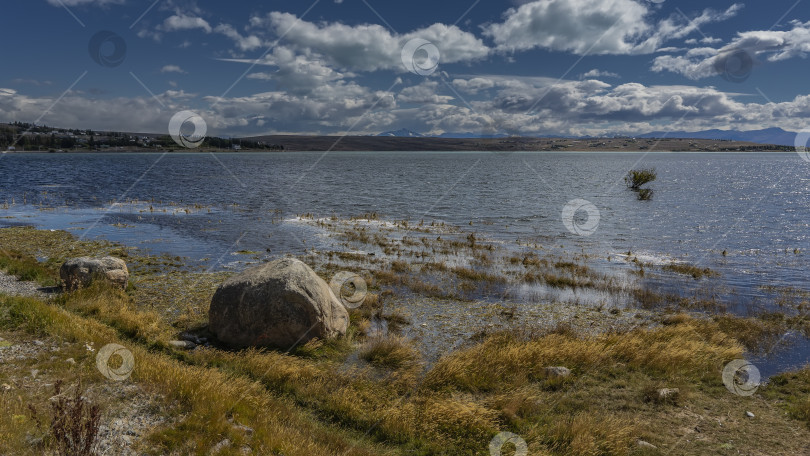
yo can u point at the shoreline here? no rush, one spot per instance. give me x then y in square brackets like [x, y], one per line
[630, 389]
[461, 151]
[500, 145]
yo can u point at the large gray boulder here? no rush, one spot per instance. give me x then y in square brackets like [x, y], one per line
[280, 304]
[81, 272]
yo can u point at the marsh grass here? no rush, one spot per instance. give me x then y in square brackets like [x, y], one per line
[695, 272]
[389, 351]
[465, 399]
[758, 335]
[317, 401]
[503, 361]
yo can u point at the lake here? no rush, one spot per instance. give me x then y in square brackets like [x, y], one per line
[744, 215]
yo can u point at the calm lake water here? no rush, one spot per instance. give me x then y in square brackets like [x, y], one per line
[755, 207]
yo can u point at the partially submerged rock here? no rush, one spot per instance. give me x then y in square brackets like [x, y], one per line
[81, 272]
[280, 304]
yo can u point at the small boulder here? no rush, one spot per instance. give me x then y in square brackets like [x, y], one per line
[182, 344]
[81, 272]
[558, 372]
[646, 445]
[668, 394]
[280, 304]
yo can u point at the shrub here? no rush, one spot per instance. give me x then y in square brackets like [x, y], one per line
[645, 194]
[74, 423]
[638, 177]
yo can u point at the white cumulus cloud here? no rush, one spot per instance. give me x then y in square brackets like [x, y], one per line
[598, 27]
[760, 46]
[368, 47]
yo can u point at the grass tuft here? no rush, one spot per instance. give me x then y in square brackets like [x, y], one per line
[393, 352]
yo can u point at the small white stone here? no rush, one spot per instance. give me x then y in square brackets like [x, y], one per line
[182, 344]
[70, 361]
[749, 415]
[643, 444]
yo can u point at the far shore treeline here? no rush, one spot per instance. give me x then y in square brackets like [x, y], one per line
[26, 137]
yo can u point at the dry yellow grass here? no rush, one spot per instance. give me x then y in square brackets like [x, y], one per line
[503, 360]
[210, 396]
[318, 401]
[389, 351]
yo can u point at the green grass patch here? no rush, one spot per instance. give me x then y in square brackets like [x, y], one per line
[28, 269]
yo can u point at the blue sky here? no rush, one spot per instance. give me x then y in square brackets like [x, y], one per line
[337, 67]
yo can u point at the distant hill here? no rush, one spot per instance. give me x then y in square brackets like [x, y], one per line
[767, 136]
[402, 133]
[775, 136]
[295, 143]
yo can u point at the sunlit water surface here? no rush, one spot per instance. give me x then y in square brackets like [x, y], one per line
[755, 207]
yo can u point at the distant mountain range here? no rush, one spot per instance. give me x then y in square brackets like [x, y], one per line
[776, 136]
[402, 133]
